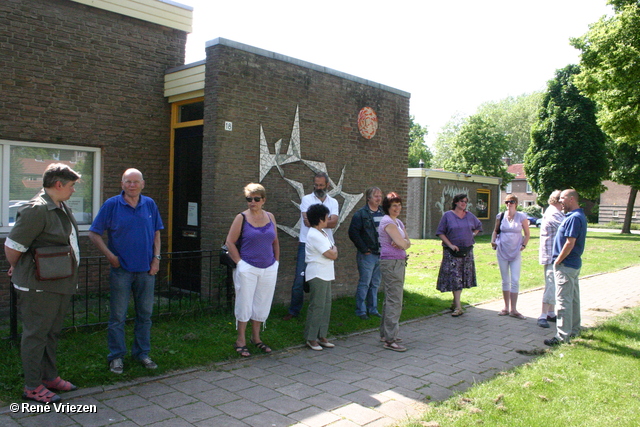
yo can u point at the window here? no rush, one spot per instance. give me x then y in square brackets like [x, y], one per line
[483, 203]
[22, 166]
[615, 214]
[529, 190]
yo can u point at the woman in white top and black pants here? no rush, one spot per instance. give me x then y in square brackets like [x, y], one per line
[319, 256]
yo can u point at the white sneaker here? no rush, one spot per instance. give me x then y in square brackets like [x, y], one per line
[314, 347]
[116, 366]
[148, 363]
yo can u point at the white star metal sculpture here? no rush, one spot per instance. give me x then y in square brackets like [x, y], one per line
[294, 154]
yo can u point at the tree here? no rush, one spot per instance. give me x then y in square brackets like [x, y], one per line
[418, 149]
[478, 149]
[443, 145]
[514, 117]
[567, 147]
[610, 76]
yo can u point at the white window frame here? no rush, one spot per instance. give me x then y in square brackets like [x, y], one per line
[529, 189]
[508, 188]
[5, 153]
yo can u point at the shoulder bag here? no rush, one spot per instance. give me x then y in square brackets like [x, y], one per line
[225, 258]
[53, 262]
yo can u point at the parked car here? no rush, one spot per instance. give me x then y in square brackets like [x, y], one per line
[14, 205]
[534, 221]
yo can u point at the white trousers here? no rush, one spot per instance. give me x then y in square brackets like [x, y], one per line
[254, 291]
[510, 272]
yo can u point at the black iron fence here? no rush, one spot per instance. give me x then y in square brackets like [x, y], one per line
[190, 281]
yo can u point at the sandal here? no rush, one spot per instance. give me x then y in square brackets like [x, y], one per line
[504, 313]
[390, 345]
[395, 340]
[59, 384]
[262, 346]
[242, 350]
[457, 313]
[517, 315]
[40, 394]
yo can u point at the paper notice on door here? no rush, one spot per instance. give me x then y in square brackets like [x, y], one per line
[192, 214]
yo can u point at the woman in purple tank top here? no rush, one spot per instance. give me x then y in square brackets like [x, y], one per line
[253, 245]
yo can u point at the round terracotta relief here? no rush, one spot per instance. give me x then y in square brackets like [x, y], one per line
[367, 122]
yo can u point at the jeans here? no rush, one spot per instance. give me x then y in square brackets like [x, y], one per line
[122, 284]
[297, 291]
[367, 292]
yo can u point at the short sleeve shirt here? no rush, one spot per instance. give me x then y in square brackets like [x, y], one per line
[318, 265]
[574, 225]
[550, 222]
[458, 230]
[131, 231]
[311, 199]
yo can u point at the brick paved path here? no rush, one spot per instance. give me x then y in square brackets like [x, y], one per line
[356, 384]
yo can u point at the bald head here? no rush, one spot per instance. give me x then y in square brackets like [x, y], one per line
[132, 183]
[132, 172]
[569, 199]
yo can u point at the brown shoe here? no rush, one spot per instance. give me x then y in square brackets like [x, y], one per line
[288, 317]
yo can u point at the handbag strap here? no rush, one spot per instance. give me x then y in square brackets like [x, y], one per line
[242, 225]
[498, 223]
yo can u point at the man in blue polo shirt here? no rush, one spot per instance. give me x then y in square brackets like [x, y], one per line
[568, 247]
[133, 225]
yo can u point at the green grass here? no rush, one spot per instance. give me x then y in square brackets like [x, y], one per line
[201, 339]
[594, 381]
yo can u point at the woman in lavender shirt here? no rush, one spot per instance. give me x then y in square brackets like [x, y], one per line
[393, 259]
[254, 278]
[457, 229]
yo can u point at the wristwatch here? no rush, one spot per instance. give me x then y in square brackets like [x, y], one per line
[158, 257]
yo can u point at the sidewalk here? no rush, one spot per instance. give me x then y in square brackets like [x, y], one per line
[358, 383]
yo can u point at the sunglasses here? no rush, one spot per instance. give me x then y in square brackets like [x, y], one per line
[512, 202]
[255, 199]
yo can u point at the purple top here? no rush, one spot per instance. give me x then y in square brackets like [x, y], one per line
[458, 230]
[387, 251]
[256, 248]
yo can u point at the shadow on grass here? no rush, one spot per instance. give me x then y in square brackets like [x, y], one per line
[610, 336]
[606, 236]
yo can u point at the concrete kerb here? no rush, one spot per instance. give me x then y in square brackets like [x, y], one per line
[85, 392]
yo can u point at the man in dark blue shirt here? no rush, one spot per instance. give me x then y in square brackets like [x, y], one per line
[133, 225]
[568, 247]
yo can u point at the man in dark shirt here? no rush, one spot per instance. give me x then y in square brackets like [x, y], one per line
[363, 232]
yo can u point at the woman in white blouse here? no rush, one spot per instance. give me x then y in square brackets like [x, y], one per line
[319, 275]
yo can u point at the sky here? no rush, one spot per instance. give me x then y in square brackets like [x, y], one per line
[451, 56]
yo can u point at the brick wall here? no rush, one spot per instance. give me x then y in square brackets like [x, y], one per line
[250, 90]
[77, 75]
[613, 204]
